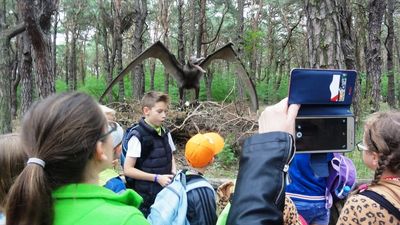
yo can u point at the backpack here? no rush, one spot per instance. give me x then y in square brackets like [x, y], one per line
[341, 179]
[170, 206]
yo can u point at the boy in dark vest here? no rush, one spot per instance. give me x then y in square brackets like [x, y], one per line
[149, 164]
[199, 152]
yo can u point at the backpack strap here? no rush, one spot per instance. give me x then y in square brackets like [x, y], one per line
[382, 201]
[199, 183]
[191, 185]
[334, 168]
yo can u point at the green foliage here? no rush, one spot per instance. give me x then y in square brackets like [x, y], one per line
[267, 94]
[61, 86]
[253, 40]
[93, 86]
[227, 156]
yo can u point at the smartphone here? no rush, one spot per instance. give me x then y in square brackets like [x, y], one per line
[324, 134]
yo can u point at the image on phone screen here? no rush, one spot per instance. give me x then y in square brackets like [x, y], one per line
[323, 134]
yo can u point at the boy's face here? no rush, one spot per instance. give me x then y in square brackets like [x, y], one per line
[157, 114]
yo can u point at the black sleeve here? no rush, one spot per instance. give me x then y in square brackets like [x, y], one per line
[259, 192]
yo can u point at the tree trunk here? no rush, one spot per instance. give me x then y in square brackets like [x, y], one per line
[323, 35]
[348, 48]
[5, 71]
[72, 78]
[360, 33]
[389, 43]
[104, 33]
[82, 59]
[96, 61]
[5, 84]
[255, 20]
[137, 47]
[201, 26]
[208, 82]
[107, 64]
[192, 28]
[181, 45]
[397, 46]
[152, 72]
[38, 28]
[164, 20]
[240, 45]
[15, 77]
[376, 8]
[208, 77]
[152, 61]
[27, 78]
[121, 92]
[118, 45]
[66, 57]
[54, 44]
[270, 41]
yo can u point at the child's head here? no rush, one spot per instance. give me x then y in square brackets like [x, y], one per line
[12, 162]
[382, 141]
[109, 112]
[201, 149]
[117, 135]
[155, 106]
[67, 134]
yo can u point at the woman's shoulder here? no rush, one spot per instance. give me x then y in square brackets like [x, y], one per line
[359, 208]
[91, 203]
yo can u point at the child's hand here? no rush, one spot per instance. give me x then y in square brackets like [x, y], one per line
[164, 179]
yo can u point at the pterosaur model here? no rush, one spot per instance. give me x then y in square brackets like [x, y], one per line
[188, 76]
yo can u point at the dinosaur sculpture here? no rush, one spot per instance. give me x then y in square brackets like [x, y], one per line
[188, 76]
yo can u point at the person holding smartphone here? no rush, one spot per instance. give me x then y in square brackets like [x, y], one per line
[259, 192]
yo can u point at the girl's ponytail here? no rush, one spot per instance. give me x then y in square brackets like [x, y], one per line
[29, 200]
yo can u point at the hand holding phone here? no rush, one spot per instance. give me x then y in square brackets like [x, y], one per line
[278, 117]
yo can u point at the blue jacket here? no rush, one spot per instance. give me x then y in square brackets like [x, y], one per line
[304, 184]
[109, 178]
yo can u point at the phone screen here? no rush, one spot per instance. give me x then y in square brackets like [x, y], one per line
[322, 134]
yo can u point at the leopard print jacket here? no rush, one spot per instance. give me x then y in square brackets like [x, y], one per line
[224, 194]
[360, 209]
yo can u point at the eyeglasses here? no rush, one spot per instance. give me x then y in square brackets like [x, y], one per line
[112, 126]
[361, 147]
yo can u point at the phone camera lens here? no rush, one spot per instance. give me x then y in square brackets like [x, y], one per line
[299, 134]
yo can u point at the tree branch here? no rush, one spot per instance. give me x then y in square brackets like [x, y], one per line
[14, 31]
[219, 28]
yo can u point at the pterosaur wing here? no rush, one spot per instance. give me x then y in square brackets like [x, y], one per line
[228, 53]
[157, 50]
